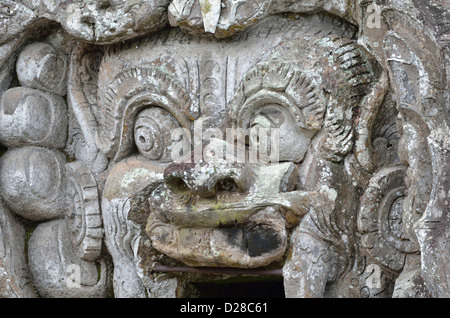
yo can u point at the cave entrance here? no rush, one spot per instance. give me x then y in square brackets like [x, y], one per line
[209, 282]
[241, 287]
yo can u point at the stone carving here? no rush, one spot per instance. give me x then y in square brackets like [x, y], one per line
[31, 117]
[147, 146]
[225, 18]
[56, 269]
[84, 218]
[40, 66]
[82, 100]
[15, 279]
[32, 182]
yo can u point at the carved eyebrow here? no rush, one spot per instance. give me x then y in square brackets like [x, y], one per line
[284, 82]
[127, 94]
[265, 117]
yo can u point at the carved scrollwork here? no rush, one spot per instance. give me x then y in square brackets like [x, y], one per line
[129, 92]
[350, 98]
[380, 219]
[82, 99]
[83, 217]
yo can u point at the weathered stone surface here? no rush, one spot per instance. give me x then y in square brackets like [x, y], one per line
[15, 17]
[15, 279]
[122, 235]
[33, 182]
[40, 66]
[225, 18]
[93, 21]
[309, 138]
[30, 117]
[84, 217]
[57, 271]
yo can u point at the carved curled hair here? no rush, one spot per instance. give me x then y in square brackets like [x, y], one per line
[360, 87]
[369, 85]
[358, 68]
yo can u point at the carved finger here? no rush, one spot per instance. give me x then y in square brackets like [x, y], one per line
[346, 132]
[337, 132]
[348, 140]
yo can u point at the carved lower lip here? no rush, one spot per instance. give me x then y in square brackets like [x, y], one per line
[254, 250]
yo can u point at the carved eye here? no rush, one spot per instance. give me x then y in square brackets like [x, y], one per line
[147, 136]
[152, 133]
[261, 121]
[260, 126]
[274, 129]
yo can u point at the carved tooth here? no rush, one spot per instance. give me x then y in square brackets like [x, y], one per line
[187, 198]
[210, 13]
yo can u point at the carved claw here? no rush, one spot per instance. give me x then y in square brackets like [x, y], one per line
[338, 137]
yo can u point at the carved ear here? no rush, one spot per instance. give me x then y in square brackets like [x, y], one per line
[381, 216]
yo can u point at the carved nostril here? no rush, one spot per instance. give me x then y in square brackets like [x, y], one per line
[177, 184]
[226, 185]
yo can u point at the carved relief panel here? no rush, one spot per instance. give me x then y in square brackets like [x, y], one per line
[194, 141]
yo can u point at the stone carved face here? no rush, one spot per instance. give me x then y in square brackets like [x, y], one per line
[224, 212]
[348, 204]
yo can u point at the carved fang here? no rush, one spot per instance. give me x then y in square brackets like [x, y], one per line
[210, 13]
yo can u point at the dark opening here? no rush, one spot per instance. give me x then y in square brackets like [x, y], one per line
[3, 149]
[177, 184]
[248, 288]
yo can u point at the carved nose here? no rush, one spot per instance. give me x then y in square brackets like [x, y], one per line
[207, 179]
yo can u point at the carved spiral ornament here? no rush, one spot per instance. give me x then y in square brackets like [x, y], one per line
[147, 136]
[380, 219]
[217, 140]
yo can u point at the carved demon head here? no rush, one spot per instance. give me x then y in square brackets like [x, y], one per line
[188, 140]
[295, 76]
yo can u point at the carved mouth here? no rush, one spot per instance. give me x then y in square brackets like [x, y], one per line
[259, 242]
[225, 226]
[185, 209]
